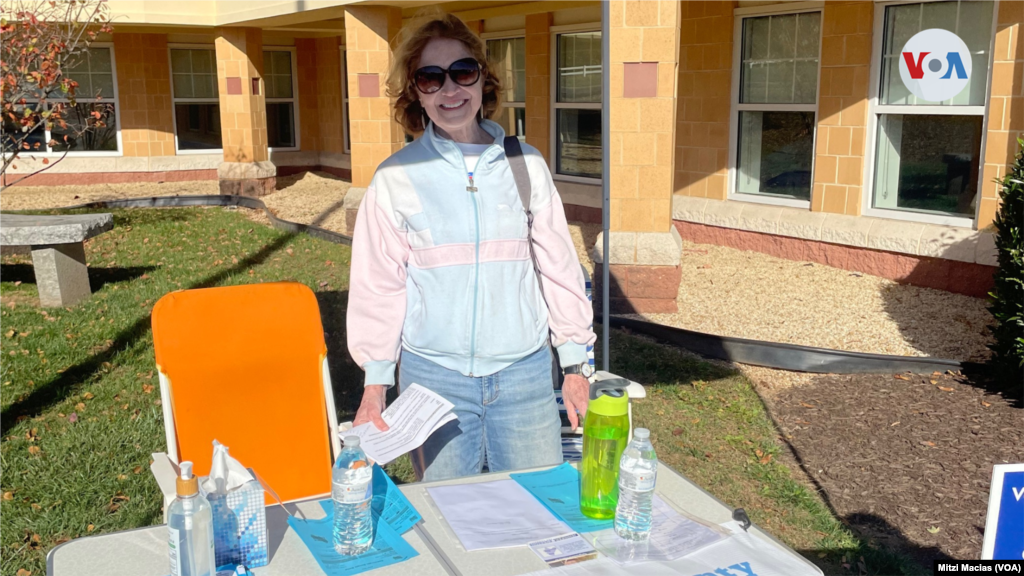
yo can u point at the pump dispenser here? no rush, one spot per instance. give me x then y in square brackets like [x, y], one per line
[190, 528]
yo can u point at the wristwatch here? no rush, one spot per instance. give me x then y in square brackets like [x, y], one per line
[584, 369]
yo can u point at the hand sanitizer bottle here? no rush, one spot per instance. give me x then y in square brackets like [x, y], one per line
[190, 529]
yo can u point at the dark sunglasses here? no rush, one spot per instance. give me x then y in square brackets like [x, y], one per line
[430, 79]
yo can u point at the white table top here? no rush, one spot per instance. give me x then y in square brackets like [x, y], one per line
[143, 552]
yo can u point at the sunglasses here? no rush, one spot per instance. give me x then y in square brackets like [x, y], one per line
[430, 79]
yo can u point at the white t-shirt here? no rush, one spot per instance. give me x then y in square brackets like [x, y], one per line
[471, 152]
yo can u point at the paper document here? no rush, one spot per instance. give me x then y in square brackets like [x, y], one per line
[388, 546]
[412, 418]
[563, 550]
[559, 490]
[498, 514]
[673, 535]
[740, 554]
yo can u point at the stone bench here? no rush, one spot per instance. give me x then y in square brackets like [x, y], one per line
[58, 251]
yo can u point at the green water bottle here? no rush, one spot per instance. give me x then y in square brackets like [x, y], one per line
[604, 438]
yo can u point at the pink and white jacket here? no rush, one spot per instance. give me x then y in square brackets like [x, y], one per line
[445, 272]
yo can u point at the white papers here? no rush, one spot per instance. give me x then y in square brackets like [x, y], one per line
[498, 514]
[563, 550]
[412, 418]
[672, 536]
[740, 554]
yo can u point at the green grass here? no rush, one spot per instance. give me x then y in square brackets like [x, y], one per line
[93, 364]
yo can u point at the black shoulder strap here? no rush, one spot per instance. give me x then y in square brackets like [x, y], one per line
[514, 153]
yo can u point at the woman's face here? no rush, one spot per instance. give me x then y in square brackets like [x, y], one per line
[453, 108]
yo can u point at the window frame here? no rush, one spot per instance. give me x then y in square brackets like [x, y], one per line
[294, 100]
[174, 100]
[346, 147]
[735, 107]
[507, 35]
[50, 153]
[554, 106]
[876, 110]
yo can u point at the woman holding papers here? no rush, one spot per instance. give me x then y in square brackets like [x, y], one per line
[442, 278]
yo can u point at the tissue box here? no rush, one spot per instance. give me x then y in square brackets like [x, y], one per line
[240, 526]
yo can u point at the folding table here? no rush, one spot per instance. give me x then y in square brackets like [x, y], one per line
[143, 551]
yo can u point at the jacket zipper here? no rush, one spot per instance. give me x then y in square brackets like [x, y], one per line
[476, 273]
[476, 254]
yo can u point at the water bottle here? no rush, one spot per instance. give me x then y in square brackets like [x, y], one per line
[637, 473]
[351, 490]
[605, 430]
[190, 528]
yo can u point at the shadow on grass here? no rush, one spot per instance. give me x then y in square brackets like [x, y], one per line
[56, 390]
[98, 277]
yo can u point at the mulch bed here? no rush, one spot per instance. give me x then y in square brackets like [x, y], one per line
[904, 460]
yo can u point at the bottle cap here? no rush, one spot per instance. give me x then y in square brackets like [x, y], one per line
[186, 484]
[641, 433]
[351, 441]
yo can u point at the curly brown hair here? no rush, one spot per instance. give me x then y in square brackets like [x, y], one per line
[408, 111]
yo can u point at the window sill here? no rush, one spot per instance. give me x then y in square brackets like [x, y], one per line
[917, 239]
[771, 200]
[576, 179]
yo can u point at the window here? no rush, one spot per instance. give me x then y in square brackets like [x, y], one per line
[778, 92]
[928, 154]
[578, 105]
[195, 95]
[508, 56]
[96, 95]
[279, 81]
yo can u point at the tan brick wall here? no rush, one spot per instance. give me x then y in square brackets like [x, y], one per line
[538, 82]
[641, 130]
[703, 102]
[243, 117]
[374, 134]
[1006, 106]
[306, 70]
[839, 154]
[144, 94]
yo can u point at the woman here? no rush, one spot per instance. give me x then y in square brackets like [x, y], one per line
[442, 277]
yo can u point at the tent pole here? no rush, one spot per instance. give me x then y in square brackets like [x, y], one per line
[605, 176]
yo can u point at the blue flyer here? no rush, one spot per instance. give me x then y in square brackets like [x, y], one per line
[388, 503]
[388, 546]
[559, 490]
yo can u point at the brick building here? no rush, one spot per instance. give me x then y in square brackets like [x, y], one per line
[781, 127]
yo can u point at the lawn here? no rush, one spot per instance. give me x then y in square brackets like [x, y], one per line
[81, 408]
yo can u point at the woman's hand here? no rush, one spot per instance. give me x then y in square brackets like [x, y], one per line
[371, 407]
[575, 396]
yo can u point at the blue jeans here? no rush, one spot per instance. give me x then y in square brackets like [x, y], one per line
[508, 420]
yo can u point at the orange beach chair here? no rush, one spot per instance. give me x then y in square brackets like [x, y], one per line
[246, 365]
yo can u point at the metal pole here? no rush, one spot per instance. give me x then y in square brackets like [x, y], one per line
[606, 176]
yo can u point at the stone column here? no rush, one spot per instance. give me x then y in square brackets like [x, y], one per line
[645, 247]
[144, 93]
[840, 147]
[61, 274]
[702, 113]
[374, 134]
[1006, 107]
[246, 169]
[538, 82]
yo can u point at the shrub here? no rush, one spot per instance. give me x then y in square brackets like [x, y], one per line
[1007, 303]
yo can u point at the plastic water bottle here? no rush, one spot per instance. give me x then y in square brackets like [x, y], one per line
[352, 489]
[638, 470]
[190, 529]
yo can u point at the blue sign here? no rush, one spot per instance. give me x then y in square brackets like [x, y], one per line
[1004, 526]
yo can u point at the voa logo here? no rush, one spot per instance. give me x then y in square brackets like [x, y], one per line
[935, 65]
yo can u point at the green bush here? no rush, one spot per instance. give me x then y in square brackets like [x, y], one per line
[1008, 296]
